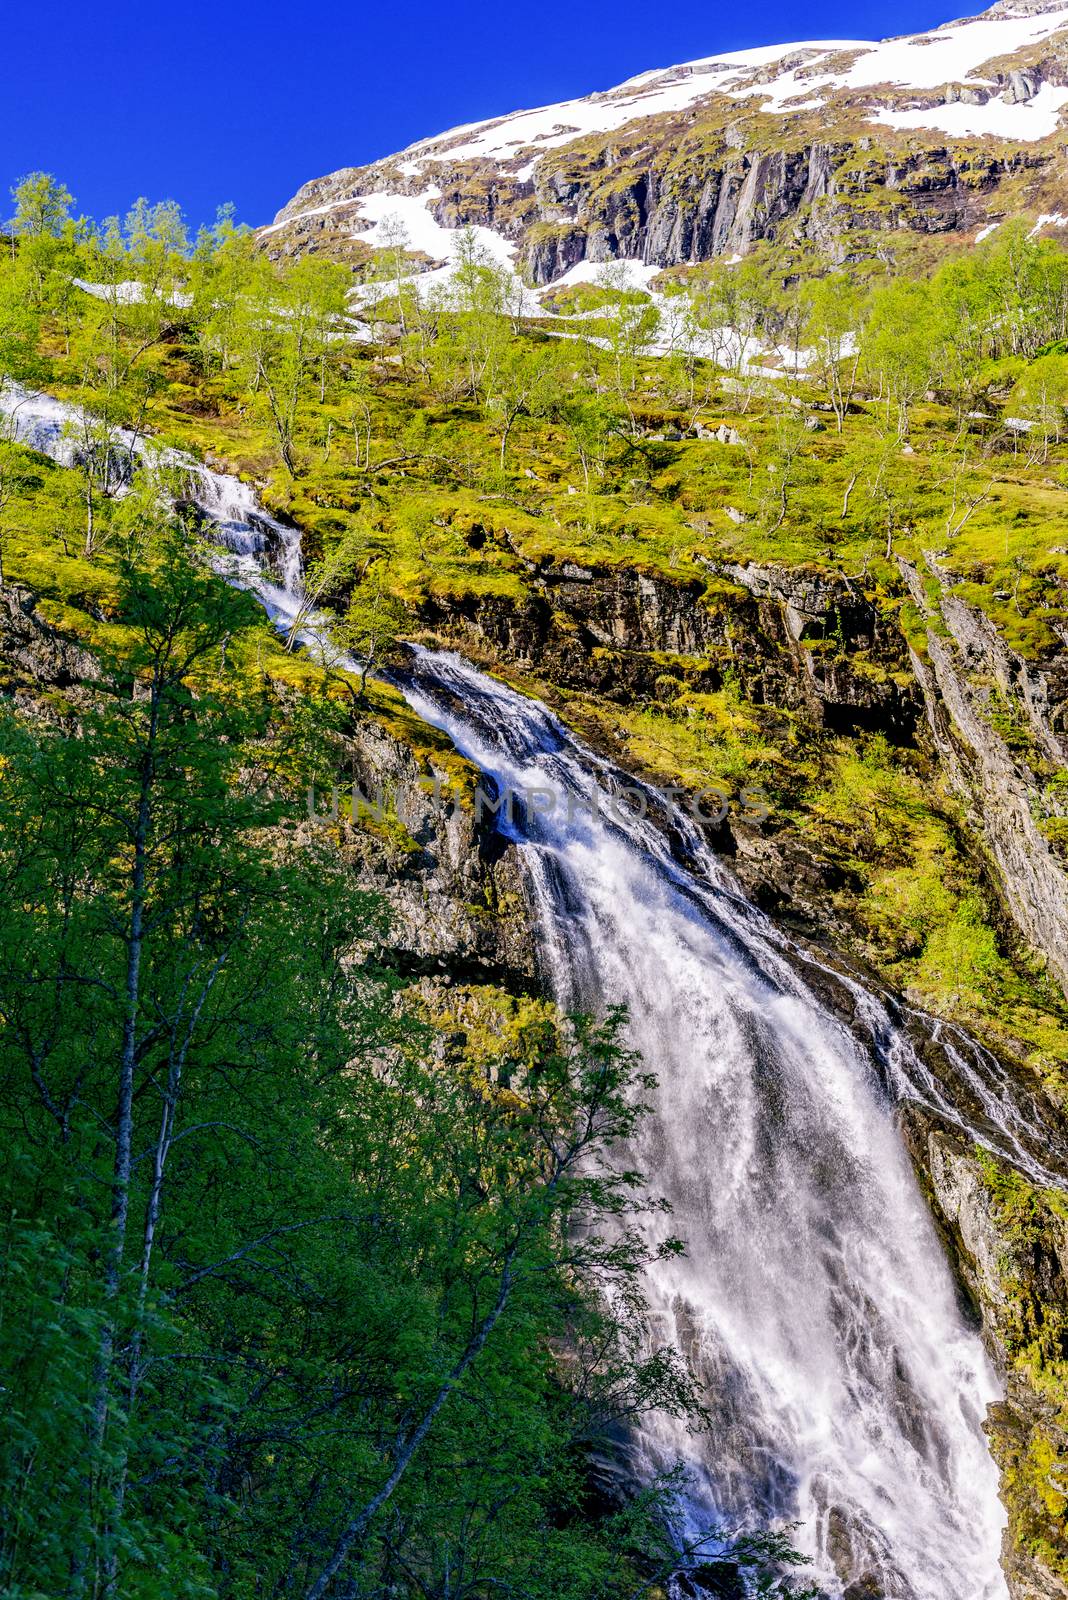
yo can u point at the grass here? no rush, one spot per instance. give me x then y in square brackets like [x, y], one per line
[454, 528]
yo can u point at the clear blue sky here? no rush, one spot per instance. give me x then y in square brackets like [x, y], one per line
[204, 101]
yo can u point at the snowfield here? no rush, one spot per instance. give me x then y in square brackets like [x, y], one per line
[951, 54]
[1034, 119]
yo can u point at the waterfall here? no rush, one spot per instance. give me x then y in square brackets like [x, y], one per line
[814, 1303]
[253, 539]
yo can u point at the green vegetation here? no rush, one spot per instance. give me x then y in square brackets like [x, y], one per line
[462, 447]
[1033, 1326]
[291, 1253]
[271, 1271]
[462, 441]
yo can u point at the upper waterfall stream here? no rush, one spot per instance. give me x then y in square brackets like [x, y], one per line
[814, 1301]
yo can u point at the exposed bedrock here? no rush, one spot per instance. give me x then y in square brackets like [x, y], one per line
[999, 724]
[1010, 1243]
[815, 643]
[792, 639]
[678, 194]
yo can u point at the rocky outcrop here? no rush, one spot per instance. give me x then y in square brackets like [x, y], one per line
[848, 658]
[1010, 1242]
[798, 640]
[425, 845]
[1000, 727]
[40, 670]
[677, 192]
[696, 197]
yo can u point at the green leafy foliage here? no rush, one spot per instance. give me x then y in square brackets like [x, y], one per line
[282, 1288]
[261, 1229]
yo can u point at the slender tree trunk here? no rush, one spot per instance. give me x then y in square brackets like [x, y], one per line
[90, 519]
[122, 1162]
[359, 1524]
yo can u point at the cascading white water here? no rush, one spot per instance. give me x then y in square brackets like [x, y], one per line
[238, 521]
[814, 1302]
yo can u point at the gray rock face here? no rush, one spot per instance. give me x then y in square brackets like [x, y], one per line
[1022, 86]
[966, 95]
[794, 639]
[456, 893]
[40, 657]
[970, 680]
[1010, 1245]
[963, 1202]
[729, 201]
[671, 201]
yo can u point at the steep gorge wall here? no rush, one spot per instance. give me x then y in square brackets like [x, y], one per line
[1010, 1243]
[460, 915]
[613, 632]
[817, 645]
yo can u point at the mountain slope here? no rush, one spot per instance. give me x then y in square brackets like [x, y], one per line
[828, 143]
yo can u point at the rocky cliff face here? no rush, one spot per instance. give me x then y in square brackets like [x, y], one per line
[460, 917]
[42, 671]
[836, 142]
[1001, 728]
[1010, 1241]
[613, 630]
[818, 645]
[456, 895]
[804, 642]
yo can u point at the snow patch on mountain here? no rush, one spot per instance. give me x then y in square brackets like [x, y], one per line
[625, 274]
[951, 54]
[1033, 119]
[650, 94]
[959, 73]
[1048, 219]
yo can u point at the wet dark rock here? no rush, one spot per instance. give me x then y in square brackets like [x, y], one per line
[42, 672]
[797, 640]
[865, 1588]
[720, 1579]
[457, 896]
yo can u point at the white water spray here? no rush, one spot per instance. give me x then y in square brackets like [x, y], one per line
[253, 539]
[814, 1302]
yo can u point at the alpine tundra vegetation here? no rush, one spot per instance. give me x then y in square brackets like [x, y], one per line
[533, 849]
